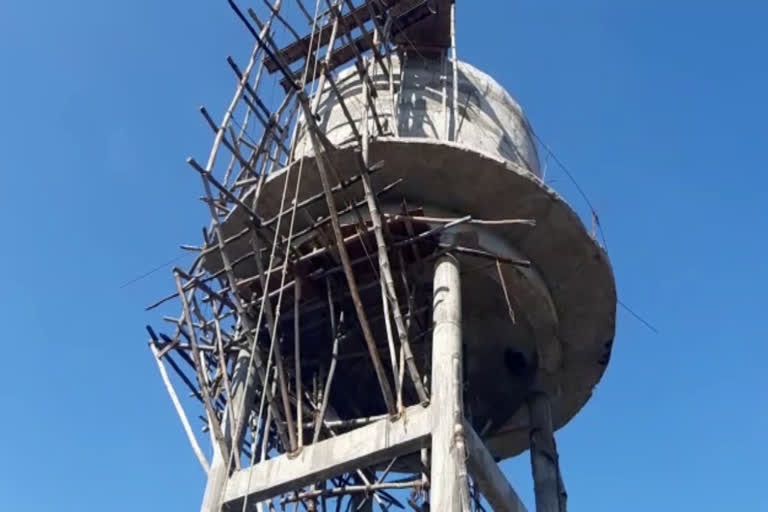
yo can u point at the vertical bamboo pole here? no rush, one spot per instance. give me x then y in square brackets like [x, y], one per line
[386, 391]
[455, 102]
[202, 376]
[391, 343]
[180, 410]
[444, 79]
[326, 62]
[332, 370]
[386, 270]
[297, 361]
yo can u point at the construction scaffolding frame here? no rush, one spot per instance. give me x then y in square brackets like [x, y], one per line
[270, 312]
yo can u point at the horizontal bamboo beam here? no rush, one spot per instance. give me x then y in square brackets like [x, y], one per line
[299, 49]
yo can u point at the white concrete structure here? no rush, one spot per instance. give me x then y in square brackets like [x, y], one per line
[488, 119]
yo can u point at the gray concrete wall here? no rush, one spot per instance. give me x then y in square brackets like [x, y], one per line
[488, 119]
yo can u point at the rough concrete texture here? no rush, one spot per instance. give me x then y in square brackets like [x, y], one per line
[488, 119]
[564, 305]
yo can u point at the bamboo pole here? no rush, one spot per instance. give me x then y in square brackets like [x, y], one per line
[445, 220]
[320, 418]
[364, 146]
[361, 69]
[201, 377]
[222, 360]
[272, 325]
[282, 381]
[297, 362]
[390, 343]
[222, 460]
[444, 79]
[356, 489]
[180, 410]
[344, 255]
[389, 286]
[325, 64]
[455, 102]
[238, 95]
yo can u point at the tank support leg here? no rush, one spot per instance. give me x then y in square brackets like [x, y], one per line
[548, 482]
[449, 491]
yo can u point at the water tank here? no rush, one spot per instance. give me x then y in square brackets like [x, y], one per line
[539, 301]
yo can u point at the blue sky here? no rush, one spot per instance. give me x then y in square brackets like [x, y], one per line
[658, 108]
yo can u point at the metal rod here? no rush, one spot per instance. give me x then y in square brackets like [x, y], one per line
[354, 489]
[455, 101]
[297, 362]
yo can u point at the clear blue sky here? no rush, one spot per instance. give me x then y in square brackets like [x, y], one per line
[658, 107]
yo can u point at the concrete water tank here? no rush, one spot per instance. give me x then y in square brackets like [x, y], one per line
[549, 324]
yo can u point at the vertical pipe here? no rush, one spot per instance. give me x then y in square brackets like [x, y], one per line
[390, 342]
[242, 385]
[445, 465]
[297, 361]
[444, 79]
[543, 454]
[455, 101]
[393, 97]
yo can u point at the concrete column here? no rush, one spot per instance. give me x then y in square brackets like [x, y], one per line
[544, 460]
[447, 465]
[217, 478]
[219, 472]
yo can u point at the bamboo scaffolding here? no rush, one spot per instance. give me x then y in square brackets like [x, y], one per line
[254, 355]
[342, 250]
[231, 313]
[201, 376]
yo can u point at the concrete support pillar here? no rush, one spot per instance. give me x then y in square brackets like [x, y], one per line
[217, 478]
[549, 489]
[448, 466]
[220, 468]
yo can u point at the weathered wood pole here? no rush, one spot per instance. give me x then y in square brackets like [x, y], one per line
[448, 467]
[180, 410]
[544, 460]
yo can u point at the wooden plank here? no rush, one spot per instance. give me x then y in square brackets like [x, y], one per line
[488, 477]
[374, 443]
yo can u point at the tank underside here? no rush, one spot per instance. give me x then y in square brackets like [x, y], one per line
[550, 325]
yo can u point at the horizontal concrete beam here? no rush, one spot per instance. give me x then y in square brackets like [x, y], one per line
[488, 477]
[362, 447]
